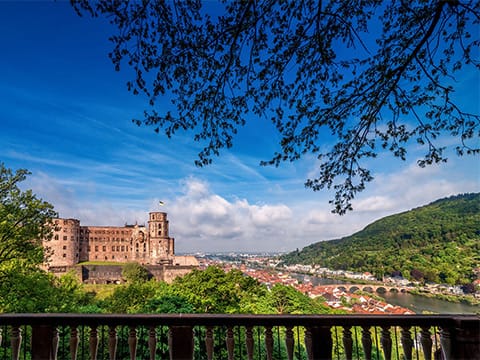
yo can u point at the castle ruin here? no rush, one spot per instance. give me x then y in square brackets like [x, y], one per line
[151, 246]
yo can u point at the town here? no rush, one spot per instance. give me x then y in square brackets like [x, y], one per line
[355, 292]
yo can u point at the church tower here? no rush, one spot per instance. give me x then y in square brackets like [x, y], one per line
[162, 250]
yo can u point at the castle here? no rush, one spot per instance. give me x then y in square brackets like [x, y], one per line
[72, 244]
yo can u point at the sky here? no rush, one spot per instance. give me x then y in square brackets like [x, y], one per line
[66, 117]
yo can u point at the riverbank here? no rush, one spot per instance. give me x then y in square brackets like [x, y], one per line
[459, 299]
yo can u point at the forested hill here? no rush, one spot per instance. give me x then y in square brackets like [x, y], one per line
[439, 242]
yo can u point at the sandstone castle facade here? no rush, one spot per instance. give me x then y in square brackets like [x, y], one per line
[73, 243]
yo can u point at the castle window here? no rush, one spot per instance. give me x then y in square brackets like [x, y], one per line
[96, 257]
[71, 238]
[137, 247]
[65, 237]
[56, 237]
[64, 255]
[113, 248]
[64, 247]
[104, 248]
[118, 248]
[113, 256]
[123, 248]
[144, 247]
[160, 232]
[96, 248]
[106, 257]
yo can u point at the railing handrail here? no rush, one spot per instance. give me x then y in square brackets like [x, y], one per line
[73, 319]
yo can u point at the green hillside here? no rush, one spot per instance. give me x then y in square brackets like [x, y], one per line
[439, 242]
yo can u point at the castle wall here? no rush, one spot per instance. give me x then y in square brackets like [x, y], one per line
[106, 243]
[101, 274]
[185, 260]
[173, 271]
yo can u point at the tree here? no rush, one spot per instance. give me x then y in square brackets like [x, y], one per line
[25, 220]
[135, 273]
[130, 298]
[214, 291]
[330, 90]
[282, 299]
[27, 288]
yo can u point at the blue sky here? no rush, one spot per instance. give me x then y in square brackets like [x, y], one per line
[66, 116]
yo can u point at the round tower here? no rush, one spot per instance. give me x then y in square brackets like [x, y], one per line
[63, 248]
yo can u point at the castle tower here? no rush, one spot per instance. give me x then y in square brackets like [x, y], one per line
[63, 248]
[161, 245]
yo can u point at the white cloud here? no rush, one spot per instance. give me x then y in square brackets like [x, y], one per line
[203, 220]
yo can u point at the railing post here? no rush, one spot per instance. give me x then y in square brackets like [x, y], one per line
[43, 337]
[180, 342]
[465, 340]
[321, 342]
[209, 342]
[16, 341]
[446, 343]
[348, 342]
[74, 340]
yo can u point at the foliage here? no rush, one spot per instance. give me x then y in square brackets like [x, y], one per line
[168, 304]
[129, 298]
[24, 220]
[135, 273]
[26, 288]
[214, 291]
[209, 291]
[439, 242]
[282, 299]
[338, 79]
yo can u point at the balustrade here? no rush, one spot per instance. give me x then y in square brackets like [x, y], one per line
[209, 336]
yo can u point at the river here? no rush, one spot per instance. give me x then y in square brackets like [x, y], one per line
[416, 303]
[419, 304]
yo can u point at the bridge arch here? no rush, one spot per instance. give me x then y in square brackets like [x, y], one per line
[353, 288]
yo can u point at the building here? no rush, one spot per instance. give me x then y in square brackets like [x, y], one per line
[150, 246]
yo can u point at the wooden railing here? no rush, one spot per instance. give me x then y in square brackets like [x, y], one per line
[214, 336]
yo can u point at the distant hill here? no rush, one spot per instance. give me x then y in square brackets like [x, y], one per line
[439, 242]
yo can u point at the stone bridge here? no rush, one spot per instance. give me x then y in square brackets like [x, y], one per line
[351, 288]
